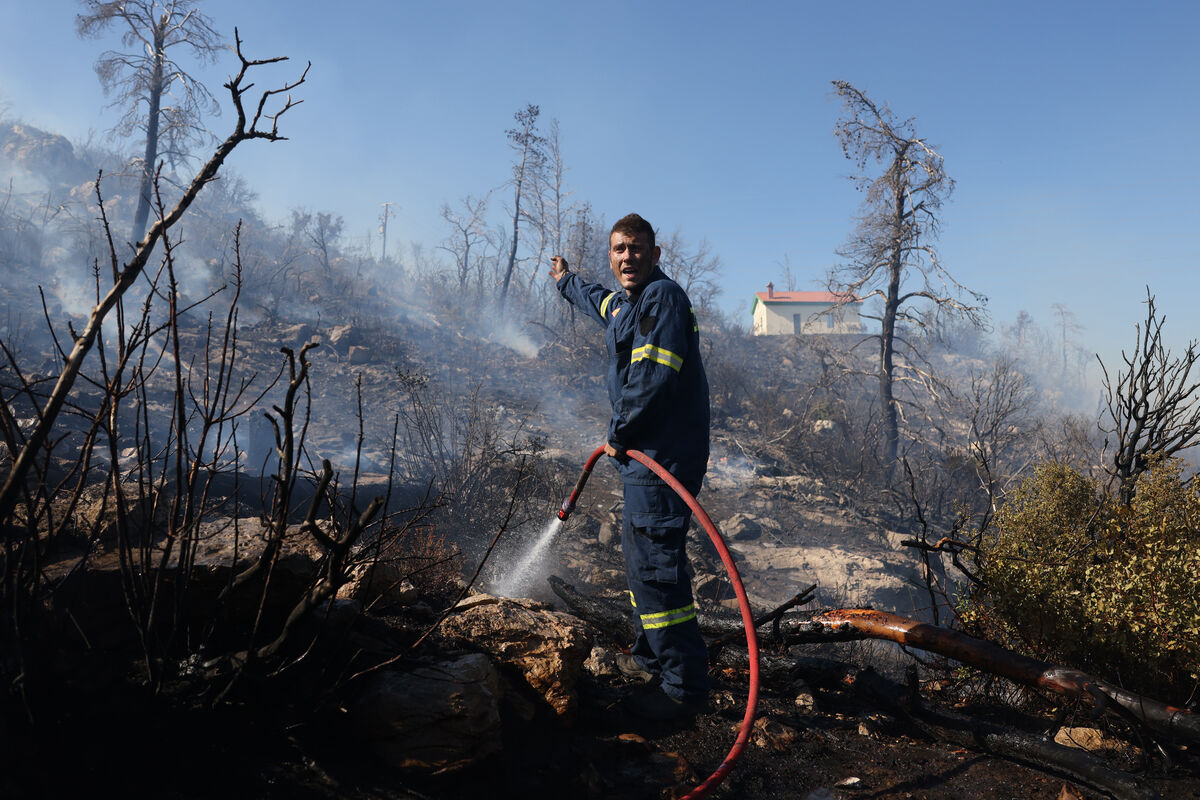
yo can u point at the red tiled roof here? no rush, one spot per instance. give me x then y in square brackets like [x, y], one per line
[804, 297]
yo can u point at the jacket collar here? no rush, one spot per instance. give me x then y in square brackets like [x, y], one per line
[656, 275]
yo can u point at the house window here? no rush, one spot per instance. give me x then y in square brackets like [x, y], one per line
[796, 323]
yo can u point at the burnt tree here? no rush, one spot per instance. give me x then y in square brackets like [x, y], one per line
[905, 184]
[1151, 407]
[530, 157]
[161, 100]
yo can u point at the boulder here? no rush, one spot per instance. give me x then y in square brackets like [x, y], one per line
[440, 716]
[295, 336]
[609, 533]
[342, 337]
[219, 549]
[712, 588]
[742, 528]
[380, 583]
[544, 648]
[749, 527]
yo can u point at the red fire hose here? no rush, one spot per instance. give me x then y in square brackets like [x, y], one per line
[743, 602]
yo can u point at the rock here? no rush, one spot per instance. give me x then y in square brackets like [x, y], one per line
[773, 735]
[741, 528]
[226, 544]
[601, 662]
[342, 337]
[295, 336]
[379, 583]
[544, 648]
[712, 588]
[357, 354]
[439, 716]
[1090, 739]
[96, 515]
[609, 534]
[339, 612]
[37, 150]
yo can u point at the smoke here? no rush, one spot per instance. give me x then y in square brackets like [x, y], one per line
[505, 333]
[730, 470]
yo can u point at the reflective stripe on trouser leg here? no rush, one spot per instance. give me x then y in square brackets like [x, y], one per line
[653, 535]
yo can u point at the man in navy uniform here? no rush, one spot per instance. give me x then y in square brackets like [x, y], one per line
[659, 396]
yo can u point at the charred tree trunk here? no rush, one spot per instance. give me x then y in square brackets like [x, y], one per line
[887, 351]
[150, 156]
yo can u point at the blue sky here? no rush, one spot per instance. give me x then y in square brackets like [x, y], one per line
[1070, 128]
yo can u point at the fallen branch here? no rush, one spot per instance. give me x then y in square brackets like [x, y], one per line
[773, 616]
[997, 660]
[614, 619]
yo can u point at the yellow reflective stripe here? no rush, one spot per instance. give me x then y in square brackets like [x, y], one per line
[695, 322]
[632, 600]
[604, 303]
[665, 619]
[665, 357]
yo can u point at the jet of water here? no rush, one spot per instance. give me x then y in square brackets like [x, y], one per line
[518, 581]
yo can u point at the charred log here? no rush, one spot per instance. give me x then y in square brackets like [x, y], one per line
[613, 619]
[968, 731]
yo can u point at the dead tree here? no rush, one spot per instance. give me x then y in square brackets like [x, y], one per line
[468, 232]
[528, 145]
[159, 97]
[1152, 408]
[894, 239]
[256, 123]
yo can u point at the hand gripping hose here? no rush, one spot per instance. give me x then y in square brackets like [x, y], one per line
[743, 602]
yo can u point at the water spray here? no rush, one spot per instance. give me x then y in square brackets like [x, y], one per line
[710, 528]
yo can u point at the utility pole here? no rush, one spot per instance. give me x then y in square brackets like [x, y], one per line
[383, 219]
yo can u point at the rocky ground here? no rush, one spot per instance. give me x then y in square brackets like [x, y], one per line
[534, 705]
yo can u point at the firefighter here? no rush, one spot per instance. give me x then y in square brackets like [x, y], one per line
[659, 396]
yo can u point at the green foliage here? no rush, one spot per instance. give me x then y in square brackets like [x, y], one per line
[1072, 575]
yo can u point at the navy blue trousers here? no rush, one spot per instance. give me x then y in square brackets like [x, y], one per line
[653, 536]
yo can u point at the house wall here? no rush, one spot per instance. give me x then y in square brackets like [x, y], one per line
[776, 319]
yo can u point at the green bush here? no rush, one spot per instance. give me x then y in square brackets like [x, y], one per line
[1070, 575]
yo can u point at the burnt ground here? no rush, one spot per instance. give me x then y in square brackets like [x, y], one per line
[841, 746]
[813, 740]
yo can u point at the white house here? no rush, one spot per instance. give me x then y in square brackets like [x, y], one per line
[785, 313]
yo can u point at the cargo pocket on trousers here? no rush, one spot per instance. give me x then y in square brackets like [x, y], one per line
[660, 547]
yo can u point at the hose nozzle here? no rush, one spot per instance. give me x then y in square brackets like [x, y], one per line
[569, 504]
[567, 507]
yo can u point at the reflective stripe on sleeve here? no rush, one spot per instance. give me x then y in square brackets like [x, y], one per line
[665, 619]
[604, 303]
[665, 357]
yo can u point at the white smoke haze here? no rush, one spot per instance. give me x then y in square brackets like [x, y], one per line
[490, 366]
[508, 334]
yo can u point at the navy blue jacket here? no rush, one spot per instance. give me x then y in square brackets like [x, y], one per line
[656, 379]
